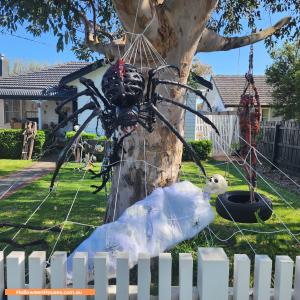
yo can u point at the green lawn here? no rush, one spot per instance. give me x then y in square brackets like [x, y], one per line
[8, 166]
[89, 209]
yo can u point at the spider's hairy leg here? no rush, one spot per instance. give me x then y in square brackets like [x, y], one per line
[58, 108]
[63, 154]
[204, 118]
[157, 82]
[188, 147]
[153, 72]
[89, 84]
[114, 159]
[88, 106]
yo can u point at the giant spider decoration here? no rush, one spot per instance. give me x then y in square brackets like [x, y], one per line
[124, 106]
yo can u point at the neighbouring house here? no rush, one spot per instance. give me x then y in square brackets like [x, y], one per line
[227, 90]
[34, 95]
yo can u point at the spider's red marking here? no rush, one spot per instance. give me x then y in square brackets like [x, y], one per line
[119, 67]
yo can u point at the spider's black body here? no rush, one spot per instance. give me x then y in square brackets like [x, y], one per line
[125, 105]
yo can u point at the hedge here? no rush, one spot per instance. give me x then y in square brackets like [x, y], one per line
[86, 136]
[203, 149]
[89, 136]
[11, 142]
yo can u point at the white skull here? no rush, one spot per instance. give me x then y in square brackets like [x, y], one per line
[216, 184]
[76, 127]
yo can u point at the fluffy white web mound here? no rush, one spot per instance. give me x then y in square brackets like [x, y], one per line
[163, 219]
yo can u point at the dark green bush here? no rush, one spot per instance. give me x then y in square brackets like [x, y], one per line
[11, 142]
[203, 149]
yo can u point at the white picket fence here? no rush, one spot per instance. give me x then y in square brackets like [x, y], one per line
[228, 126]
[212, 276]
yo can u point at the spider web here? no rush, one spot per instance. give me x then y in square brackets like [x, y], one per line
[144, 55]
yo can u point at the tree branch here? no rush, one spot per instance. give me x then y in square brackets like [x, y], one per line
[134, 14]
[110, 50]
[212, 41]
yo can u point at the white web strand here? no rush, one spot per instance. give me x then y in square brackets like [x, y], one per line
[281, 221]
[272, 164]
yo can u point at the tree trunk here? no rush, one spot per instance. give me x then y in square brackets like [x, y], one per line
[176, 40]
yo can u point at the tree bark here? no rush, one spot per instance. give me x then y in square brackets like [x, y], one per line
[176, 35]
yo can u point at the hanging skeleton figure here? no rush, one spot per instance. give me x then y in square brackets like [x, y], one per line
[249, 113]
[123, 107]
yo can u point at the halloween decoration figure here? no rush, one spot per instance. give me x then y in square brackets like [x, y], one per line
[216, 184]
[159, 222]
[78, 146]
[239, 206]
[125, 105]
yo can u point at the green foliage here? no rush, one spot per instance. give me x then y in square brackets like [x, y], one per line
[11, 142]
[90, 136]
[229, 17]
[63, 19]
[203, 149]
[284, 77]
[86, 136]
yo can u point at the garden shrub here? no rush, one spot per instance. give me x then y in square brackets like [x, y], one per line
[202, 148]
[11, 142]
[86, 136]
[89, 136]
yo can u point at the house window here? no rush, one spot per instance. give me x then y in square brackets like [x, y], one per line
[265, 114]
[12, 110]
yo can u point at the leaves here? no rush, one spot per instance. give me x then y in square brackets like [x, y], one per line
[284, 77]
[62, 18]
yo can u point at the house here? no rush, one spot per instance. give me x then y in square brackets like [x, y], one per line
[227, 90]
[34, 95]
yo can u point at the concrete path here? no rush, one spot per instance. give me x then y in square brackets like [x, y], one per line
[11, 183]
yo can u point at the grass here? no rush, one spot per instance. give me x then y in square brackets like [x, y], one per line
[8, 166]
[89, 209]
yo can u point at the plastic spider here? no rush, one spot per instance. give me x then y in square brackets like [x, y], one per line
[125, 105]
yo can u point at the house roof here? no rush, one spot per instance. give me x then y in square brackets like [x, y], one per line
[48, 83]
[230, 88]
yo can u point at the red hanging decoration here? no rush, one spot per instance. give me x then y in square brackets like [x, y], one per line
[249, 113]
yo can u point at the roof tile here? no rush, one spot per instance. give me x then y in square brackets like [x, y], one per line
[230, 88]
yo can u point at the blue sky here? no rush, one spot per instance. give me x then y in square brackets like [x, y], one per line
[44, 51]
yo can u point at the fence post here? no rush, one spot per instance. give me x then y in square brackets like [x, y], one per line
[213, 274]
[122, 292]
[1, 274]
[58, 272]
[16, 272]
[144, 277]
[297, 279]
[80, 280]
[241, 277]
[185, 276]
[283, 277]
[275, 143]
[101, 278]
[164, 276]
[37, 265]
[262, 277]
